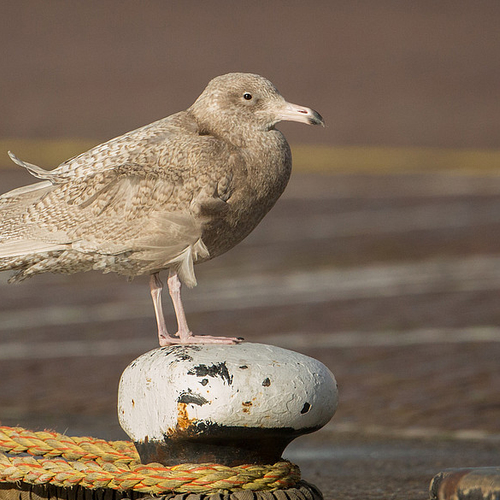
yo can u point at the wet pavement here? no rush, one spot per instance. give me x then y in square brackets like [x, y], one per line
[392, 281]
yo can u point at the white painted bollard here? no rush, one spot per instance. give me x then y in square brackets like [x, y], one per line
[228, 404]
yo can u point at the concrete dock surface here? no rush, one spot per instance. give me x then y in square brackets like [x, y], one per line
[392, 281]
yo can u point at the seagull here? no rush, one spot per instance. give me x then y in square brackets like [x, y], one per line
[174, 193]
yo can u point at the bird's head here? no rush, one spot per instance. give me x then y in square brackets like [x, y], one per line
[244, 101]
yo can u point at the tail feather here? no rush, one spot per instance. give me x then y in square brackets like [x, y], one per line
[20, 248]
[34, 170]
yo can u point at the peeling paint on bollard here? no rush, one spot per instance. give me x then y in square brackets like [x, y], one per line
[230, 404]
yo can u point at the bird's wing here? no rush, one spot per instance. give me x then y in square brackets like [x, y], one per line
[152, 215]
[144, 146]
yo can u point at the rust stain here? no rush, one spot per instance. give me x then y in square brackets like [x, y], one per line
[184, 424]
[246, 406]
[183, 420]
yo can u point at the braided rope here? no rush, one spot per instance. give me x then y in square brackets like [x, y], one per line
[52, 444]
[95, 463]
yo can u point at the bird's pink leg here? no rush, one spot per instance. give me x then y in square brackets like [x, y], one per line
[174, 288]
[156, 287]
[184, 333]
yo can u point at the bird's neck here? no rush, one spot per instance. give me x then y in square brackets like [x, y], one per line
[269, 164]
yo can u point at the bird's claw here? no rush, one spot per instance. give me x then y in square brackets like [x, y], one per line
[198, 339]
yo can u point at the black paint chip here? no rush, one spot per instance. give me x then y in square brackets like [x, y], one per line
[216, 370]
[305, 408]
[191, 398]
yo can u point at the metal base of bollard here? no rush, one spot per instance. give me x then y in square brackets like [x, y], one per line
[223, 445]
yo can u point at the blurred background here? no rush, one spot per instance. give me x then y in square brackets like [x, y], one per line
[382, 259]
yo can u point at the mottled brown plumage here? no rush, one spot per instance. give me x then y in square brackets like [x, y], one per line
[174, 193]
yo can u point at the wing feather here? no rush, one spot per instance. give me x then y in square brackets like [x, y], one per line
[148, 218]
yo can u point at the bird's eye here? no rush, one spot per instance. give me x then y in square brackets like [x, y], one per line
[247, 96]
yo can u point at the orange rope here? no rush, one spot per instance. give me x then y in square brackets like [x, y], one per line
[95, 463]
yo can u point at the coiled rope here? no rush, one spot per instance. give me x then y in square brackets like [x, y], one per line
[52, 458]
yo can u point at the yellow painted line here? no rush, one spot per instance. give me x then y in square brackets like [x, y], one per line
[385, 160]
[49, 153]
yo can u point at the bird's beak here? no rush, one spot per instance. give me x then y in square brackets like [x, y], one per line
[296, 113]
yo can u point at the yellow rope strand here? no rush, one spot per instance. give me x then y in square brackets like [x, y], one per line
[53, 444]
[96, 463]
